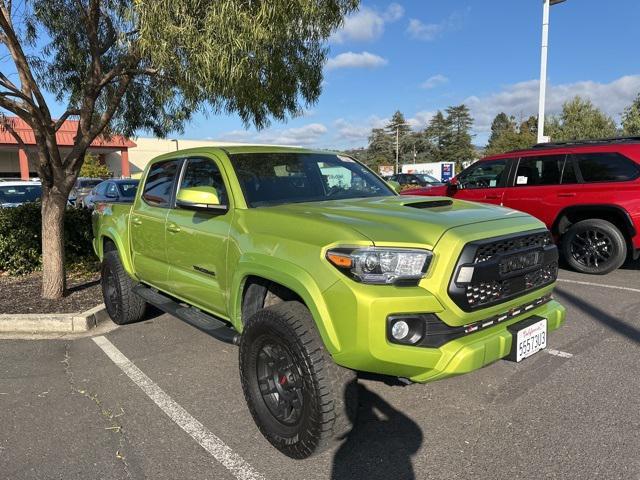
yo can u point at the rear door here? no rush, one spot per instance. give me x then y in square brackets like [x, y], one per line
[197, 241]
[484, 181]
[537, 186]
[147, 224]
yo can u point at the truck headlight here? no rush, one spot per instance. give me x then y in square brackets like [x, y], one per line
[382, 266]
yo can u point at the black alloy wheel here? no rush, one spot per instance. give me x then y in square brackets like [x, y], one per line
[594, 246]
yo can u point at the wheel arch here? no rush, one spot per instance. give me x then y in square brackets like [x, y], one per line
[110, 241]
[256, 285]
[611, 213]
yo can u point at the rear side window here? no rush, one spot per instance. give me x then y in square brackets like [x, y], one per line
[159, 184]
[606, 167]
[539, 170]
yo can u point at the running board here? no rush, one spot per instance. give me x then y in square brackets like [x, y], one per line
[191, 315]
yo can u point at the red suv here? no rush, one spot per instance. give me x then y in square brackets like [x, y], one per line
[587, 193]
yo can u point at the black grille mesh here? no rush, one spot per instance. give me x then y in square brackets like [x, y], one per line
[485, 252]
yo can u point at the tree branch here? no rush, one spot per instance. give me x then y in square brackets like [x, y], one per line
[64, 116]
[6, 123]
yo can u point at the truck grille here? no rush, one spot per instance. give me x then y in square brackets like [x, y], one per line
[504, 268]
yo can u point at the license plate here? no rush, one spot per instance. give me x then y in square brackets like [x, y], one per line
[529, 337]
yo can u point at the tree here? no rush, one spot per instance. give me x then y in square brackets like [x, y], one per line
[581, 120]
[381, 148]
[438, 133]
[508, 135]
[460, 148]
[631, 118]
[91, 167]
[126, 65]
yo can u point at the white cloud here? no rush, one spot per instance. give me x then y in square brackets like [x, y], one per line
[521, 99]
[356, 60]
[434, 81]
[420, 119]
[367, 24]
[430, 31]
[306, 135]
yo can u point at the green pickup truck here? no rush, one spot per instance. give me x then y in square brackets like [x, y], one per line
[317, 269]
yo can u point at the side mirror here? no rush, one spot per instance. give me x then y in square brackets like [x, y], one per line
[200, 198]
[453, 185]
[395, 185]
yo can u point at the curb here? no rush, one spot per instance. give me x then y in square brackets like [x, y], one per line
[53, 322]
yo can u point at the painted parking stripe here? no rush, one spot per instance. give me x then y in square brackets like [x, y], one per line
[559, 353]
[592, 284]
[207, 440]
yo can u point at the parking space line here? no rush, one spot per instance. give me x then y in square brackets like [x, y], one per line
[592, 284]
[559, 353]
[207, 440]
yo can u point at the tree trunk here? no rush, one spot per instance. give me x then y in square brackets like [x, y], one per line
[53, 271]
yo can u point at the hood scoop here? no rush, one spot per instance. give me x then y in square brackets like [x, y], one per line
[429, 204]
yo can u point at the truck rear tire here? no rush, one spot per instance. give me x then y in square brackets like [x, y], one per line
[301, 401]
[123, 305]
[594, 246]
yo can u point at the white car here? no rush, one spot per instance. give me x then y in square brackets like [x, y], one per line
[14, 193]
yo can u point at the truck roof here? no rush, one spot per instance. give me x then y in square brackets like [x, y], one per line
[234, 148]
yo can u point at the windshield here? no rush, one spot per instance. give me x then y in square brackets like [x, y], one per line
[276, 178]
[20, 193]
[427, 178]
[128, 189]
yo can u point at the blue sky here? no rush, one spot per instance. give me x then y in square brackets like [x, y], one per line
[423, 55]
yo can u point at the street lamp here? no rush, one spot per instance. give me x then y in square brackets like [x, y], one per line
[397, 127]
[543, 67]
[175, 140]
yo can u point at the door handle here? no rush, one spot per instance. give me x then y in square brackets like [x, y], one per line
[566, 195]
[136, 220]
[493, 197]
[173, 228]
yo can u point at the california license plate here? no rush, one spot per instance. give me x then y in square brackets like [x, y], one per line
[529, 337]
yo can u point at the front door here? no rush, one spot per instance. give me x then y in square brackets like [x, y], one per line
[197, 241]
[147, 224]
[484, 181]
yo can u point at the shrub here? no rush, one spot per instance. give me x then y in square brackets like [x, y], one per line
[20, 238]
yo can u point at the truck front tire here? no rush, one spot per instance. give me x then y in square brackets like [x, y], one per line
[123, 305]
[594, 246]
[300, 399]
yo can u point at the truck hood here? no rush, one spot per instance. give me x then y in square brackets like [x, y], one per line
[400, 219]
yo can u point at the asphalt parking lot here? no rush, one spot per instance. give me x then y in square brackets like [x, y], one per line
[162, 400]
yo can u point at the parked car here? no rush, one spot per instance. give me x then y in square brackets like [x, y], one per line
[587, 193]
[317, 269]
[111, 191]
[18, 192]
[415, 180]
[82, 188]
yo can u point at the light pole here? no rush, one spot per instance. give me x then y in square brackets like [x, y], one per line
[397, 127]
[175, 140]
[543, 66]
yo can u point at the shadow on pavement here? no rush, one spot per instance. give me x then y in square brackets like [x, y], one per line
[380, 445]
[623, 328]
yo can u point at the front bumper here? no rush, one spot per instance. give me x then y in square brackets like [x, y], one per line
[374, 353]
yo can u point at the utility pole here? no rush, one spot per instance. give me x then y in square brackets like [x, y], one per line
[546, 5]
[397, 146]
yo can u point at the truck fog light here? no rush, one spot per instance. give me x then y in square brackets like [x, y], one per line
[400, 330]
[465, 275]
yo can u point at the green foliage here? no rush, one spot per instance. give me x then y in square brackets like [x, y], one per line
[459, 147]
[508, 135]
[580, 120]
[93, 168]
[631, 118]
[20, 237]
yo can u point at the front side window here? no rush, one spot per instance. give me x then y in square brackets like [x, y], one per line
[487, 174]
[606, 167]
[277, 178]
[159, 184]
[539, 170]
[102, 188]
[128, 189]
[202, 172]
